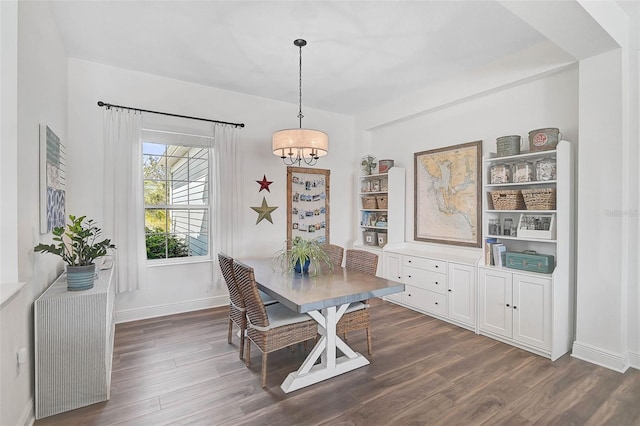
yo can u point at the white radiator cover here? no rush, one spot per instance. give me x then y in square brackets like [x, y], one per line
[73, 345]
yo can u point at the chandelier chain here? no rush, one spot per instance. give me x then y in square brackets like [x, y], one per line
[300, 116]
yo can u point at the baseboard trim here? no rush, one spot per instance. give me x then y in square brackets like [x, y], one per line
[602, 357]
[634, 360]
[28, 416]
[170, 309]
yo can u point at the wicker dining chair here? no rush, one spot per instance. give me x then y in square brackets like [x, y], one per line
[237, 310]
[270, 327]
[357, 315]
[336, 253]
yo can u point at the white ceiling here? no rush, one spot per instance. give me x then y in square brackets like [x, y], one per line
[359, 53]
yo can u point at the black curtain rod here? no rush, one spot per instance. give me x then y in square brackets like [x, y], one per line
[103, 104]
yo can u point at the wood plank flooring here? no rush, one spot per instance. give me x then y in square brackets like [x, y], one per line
[179, 370]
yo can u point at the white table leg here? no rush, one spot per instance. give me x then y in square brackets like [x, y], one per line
[326, 349]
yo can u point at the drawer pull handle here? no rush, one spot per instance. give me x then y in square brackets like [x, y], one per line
[436, 303]
[399, 278]
[449, 290]
[515, 307]
[436, 266]
[508, 305]
[436, 282]
[409, 261]
[409, 276]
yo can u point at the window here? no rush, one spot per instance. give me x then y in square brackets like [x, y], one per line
[176, 198]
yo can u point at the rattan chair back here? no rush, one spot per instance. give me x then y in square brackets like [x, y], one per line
[226, 265]
[361, 261]
[336, 253]
[245, 278]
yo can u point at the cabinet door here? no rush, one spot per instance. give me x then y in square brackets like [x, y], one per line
[495, 293]
[462, 293]
[532, 310]
[392, 271]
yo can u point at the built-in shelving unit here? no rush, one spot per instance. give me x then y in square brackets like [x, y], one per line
[531, 310]
[381, 207]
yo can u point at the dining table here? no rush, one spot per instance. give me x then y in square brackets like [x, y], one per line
[325, 297]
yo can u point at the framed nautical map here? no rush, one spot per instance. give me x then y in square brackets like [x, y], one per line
[447, 204]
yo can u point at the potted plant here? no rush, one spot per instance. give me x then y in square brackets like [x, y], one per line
[301, 254]
[79, 247]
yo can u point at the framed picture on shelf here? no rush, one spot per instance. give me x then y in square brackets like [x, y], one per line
[447, 185]
[308, 203]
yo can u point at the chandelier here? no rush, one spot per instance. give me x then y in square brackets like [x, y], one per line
[297, 145]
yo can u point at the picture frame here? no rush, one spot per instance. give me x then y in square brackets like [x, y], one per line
[52, 180]
[308, 196]
[447, 191]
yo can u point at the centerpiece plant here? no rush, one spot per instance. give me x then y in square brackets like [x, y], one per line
[302, 253]
[79, 246]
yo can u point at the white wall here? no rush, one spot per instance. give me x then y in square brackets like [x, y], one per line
[180, 288]
[602, 296]
[548, 102]
[41, 97]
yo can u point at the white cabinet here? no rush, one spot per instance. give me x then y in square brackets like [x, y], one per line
[74, 333]
[381, 209]
[531, 310]
[516, 308]
[435, 283]
[462, 293]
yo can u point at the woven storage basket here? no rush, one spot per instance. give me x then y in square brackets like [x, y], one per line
[381, 201]
[540, 198]
[369, 202]
[507, 199]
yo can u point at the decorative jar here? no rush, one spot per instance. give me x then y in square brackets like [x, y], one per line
[546, 169]
[501, 173]
[523, 172]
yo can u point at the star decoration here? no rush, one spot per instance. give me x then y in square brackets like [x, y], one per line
[264, 183]
[264, 211]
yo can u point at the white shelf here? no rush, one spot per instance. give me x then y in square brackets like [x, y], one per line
[373, 210]
[379, 175]
[522, 211]
[533, 182]
[525, 156]
[508, 237]
[374, 193]
[373, 227]
[517, 271]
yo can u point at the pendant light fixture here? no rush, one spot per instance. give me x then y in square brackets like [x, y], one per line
[297, 145]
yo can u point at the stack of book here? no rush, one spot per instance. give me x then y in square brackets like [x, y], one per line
[495, 252]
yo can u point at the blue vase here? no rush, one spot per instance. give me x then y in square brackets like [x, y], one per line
[304, 269]
[80, 277]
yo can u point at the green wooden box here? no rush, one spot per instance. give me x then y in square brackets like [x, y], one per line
[531, 261]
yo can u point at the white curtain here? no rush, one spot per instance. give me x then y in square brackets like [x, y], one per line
[124, 197]
[225, 195]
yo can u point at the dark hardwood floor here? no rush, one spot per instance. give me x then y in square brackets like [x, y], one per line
[180, 370]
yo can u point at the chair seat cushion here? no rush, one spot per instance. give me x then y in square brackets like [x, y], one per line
[266, 299]
[280, 315]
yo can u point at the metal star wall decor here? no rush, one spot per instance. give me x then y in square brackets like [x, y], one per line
[264, 183]
[264, 211]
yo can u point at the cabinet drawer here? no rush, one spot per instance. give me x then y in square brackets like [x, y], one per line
[425, 263]
[425, 300]
[427, 280]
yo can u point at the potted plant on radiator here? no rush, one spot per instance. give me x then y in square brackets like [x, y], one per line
[79, 246]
